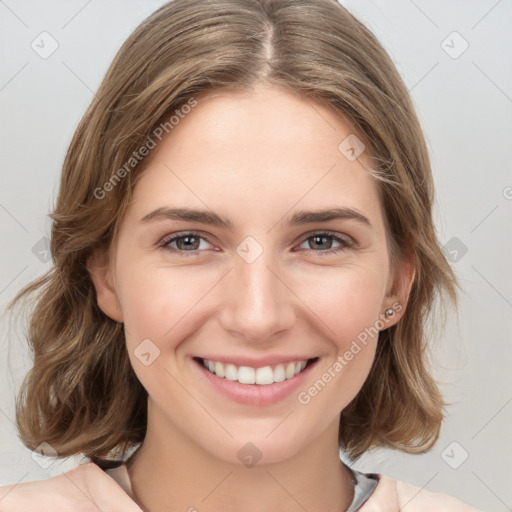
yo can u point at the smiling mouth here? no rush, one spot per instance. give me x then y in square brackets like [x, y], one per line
[260, 376]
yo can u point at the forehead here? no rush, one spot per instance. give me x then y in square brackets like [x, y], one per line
[257, 154]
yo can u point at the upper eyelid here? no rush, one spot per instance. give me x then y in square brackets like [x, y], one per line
[182, 234]
[346, 238]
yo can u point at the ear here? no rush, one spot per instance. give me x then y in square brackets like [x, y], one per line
[98, 267]
[399, 287]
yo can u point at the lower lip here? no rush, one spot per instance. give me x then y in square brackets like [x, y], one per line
[254, 394]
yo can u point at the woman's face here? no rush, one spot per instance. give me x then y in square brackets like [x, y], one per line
[278, 283]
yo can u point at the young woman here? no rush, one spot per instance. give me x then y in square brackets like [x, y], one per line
[244, 259]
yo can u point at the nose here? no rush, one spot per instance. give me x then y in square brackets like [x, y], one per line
[257, 304]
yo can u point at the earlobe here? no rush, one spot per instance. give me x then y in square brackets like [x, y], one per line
[101, 276]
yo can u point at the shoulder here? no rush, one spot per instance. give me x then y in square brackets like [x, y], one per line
[411, 497]
[392, 495]
[85, 488]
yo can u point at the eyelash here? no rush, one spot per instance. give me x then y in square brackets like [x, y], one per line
[345, 242]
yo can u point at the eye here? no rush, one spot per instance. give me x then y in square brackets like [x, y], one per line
[324, 240]
[188, 242]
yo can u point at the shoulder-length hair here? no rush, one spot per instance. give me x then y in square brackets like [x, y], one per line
[81, 395]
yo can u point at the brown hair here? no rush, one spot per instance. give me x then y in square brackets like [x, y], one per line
[82, 395]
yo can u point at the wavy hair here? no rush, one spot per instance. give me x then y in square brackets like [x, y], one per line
[82, 395]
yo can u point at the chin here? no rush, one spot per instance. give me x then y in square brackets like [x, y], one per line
[257, 447]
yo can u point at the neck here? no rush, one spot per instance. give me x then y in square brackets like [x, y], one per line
[170, 472]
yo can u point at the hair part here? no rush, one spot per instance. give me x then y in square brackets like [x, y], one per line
[82, 395]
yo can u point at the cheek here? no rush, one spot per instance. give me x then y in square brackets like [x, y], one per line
[346, 300]
[348, 306]
[157, 302]
[158, 306]
[160, 302]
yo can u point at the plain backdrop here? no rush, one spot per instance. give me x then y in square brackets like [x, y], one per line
[456, 59]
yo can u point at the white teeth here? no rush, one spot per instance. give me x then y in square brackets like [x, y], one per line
[279, 374]
[231, 372]
[262, 376]
[219, 369]
[246, 375]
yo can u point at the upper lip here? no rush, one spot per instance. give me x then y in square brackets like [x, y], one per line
[257, 363]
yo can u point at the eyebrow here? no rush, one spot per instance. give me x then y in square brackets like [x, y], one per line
[208, 217]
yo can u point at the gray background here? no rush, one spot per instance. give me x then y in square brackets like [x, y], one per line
[464, 101]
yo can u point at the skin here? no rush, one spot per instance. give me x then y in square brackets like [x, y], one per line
[256, 158]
